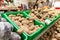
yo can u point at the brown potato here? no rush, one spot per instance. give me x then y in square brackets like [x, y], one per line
[24, 21]
[27, 21]
[39, 9]
[13, 18]
[20, 15]
[32, 14]
[16, 18]
[20, 24]
[30, 21]
[58, 35]
[59, 22]
[20, 20]
[20, 31]
[30, 32]
[26, 30]
[58, 26]
[36, 28]
[35, 9]
[31, 27]
[17, 22]
[36, 12]
[30, 24]
[54, 39]
[11, 15]
[32, 10]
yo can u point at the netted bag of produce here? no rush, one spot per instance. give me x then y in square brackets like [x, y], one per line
[14, 36]
[5, 30]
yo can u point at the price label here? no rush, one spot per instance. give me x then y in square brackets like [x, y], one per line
[47, 21]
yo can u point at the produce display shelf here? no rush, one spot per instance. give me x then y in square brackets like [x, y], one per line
[29, 36]
[26, 36]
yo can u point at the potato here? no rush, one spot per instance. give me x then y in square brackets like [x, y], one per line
[36, 18]
[39, 9]
[58, 26]
[26, 29]
[30, 24]
[16, 22]
[58, 35]
[54, 39]
[35, 9]
[20, 24]
[20, 20]
[58, 29]
[13, 18]
[30, 19]
[10, 15]
[19, 31]
[59, 22]
[27, 21]
[32, 14]
[30, 32]
[16, 18]
[35, 29]
[31, 27]
[20, 15]
[32, 10]
[24, 21]
[25, 25]
[36, 12]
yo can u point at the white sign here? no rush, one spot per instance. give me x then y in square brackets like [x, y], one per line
[57, 4]
[21, 2]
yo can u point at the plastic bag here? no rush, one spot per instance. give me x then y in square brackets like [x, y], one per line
[14, 36]
[5, 30]
[2, 19]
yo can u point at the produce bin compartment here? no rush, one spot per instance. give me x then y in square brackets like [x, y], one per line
[46, 16]
[16, 27]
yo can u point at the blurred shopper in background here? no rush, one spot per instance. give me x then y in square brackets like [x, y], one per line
[30, 5]
[24, 7]
[44, 6]
[21, 4]
[36, 3]
[49, 3]
[8, 2]
[20, 7]
[0, 3]
[43, 3]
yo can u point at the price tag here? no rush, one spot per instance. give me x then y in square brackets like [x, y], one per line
[47, 21]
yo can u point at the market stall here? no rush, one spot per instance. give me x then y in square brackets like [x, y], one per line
[29, 20]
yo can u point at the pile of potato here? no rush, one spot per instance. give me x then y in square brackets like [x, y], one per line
[53, 33]
[25, 24]
[42, 15]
